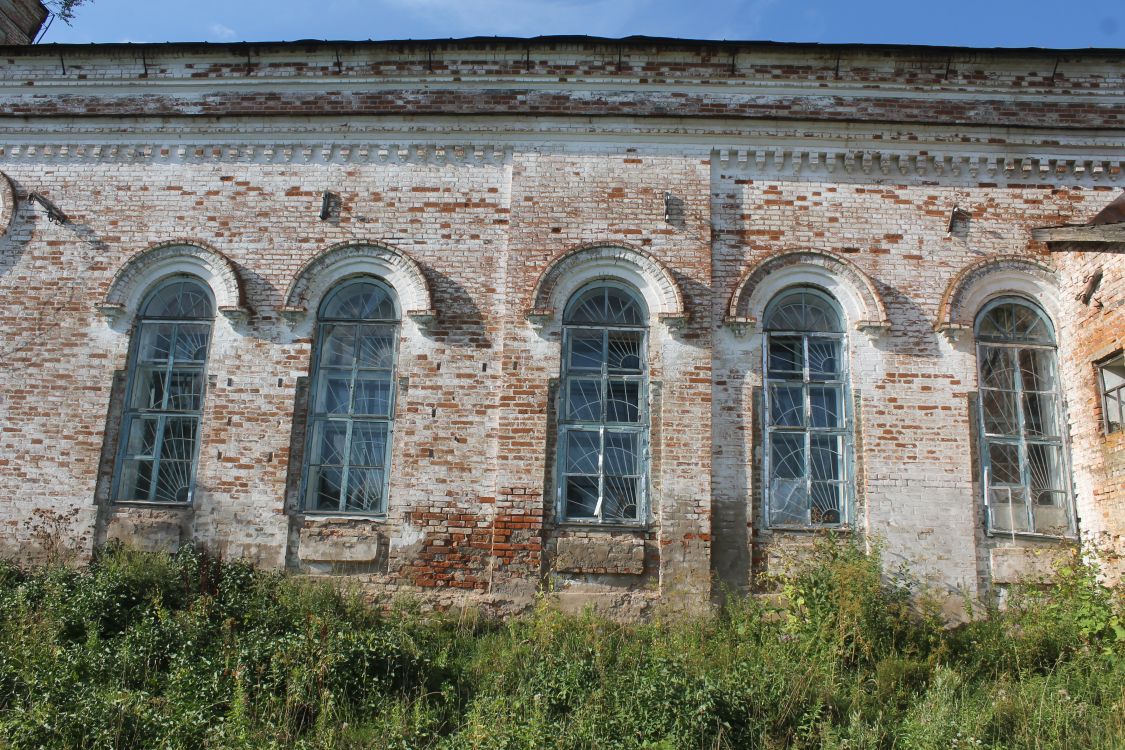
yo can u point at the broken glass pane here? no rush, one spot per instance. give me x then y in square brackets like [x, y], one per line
[1004, 462]
[1037, 369]
[1007, 509]
[1000, 417]
[788, 501]
[825, 506]
[136, 479]
[325, 487]
[581, 497]
[1040, 415]
[142, 436]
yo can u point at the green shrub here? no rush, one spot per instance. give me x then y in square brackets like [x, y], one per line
[141, 650]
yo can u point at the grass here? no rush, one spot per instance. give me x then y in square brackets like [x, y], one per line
[141, 650]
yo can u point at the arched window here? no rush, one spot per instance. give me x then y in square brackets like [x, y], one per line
[164, 398]
[351, 407]
[1021, 420]
[808, 424]
[603, 414]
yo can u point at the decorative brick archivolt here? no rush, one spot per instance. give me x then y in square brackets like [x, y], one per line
[339, 262]
[851, 287]
[577, 267]
[136, 277]
[7, 203]
[989, 278]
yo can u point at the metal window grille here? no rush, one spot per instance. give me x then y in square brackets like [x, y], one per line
[808, 423]
[1021, 422]
[603, 415]
[164, 399]
[351, 406]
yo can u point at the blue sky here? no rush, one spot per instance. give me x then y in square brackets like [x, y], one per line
[985, 23]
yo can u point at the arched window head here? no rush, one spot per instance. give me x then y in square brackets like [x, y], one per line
[1021, 421]
[164, 398]
[351, 409]
[808, 422]
[603, 412]
[606, 305]
[804, 310]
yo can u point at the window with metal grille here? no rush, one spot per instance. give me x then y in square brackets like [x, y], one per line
[1111, 378]
[808, 425]
[603, 413]
[351, 405]
[1021, 421]
[164, 397]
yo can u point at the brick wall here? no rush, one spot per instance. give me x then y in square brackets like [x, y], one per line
[558, 146]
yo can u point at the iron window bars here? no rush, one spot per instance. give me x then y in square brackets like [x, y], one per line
[351, 407]
[808, 423]
[603, 414]
[1021, 422]
[159, 444]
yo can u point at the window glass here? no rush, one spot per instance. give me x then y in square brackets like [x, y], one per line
[1112, 376]
[603, 415]
[164, 396]
[351, 407]
[807, 421]
[1021, 421]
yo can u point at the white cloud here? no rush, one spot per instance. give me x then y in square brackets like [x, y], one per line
[523, 17]
[220, 32]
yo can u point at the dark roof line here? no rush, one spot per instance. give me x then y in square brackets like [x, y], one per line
[543, 41]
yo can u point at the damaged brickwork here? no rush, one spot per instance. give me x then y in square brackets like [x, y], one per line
[486, 182]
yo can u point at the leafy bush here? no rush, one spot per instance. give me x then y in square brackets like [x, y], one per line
[142, 650]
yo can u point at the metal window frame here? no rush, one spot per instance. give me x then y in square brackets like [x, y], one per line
[314, 419]
[847, 432]
[642, 427]
[1117, 393]
[130, 413]
[1020, 440]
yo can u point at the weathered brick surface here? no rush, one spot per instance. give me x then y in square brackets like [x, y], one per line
[556, 147]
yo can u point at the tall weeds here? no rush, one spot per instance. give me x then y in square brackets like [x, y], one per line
[144, 650]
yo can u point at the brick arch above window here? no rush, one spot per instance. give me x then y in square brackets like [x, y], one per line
[324, 271]
[136, 277]
[979, 282]
[617, 262]
[854, 289]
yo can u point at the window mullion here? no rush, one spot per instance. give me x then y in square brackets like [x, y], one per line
[169, 366]
[157, 451]
[347, 459]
